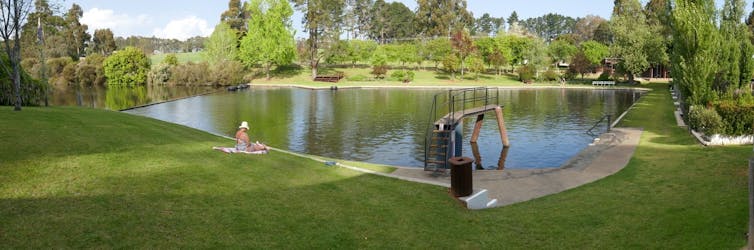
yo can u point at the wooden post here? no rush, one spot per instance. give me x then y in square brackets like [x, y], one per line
[750, 244]
[503, 157]
[477, 127]
[477, 156]
[501, 126]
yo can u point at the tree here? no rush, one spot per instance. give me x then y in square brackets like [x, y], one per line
[594, 52]
[476, 65]
[221, 45]
[695, 46]
[603, 34]
[322, 19]
[580, 64]
[270, 38]
[487, 25]
[550, 25]
[236, 16]
[439, 17]
[450, 63]
[75, 33]
[12, 15]
[103, 42]
[463, 46]
[586, 27]
[391, 21]
[630, 36]
[127, 67]
[561, 51]
[513, 19]
[437, 49]
[734, 58]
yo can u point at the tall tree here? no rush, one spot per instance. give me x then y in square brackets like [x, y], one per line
[270, 38]
[735, 55]
[221, 45]
[322, 19]
[236, 16]
[487, 25]
[513, 19]
[103, 42]
[391, 21]
[75, 33]
[586, 27]
[12, 15]
[440, 17]
[549, 26]
[695, 49]
[630, 36]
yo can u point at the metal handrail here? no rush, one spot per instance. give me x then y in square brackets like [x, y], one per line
[456, 100]
[609, 124]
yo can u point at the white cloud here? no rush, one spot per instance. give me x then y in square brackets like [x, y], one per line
[120, 24]
[185, 28]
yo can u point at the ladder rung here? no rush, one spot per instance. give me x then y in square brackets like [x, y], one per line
[440, 138]
[442, 131]
[436, 162]
[438, 153]
[438, 146]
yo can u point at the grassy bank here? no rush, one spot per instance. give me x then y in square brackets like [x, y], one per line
[84, 178]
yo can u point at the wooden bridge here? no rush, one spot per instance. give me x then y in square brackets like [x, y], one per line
[444, 136]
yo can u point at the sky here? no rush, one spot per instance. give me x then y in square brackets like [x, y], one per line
[180, 19]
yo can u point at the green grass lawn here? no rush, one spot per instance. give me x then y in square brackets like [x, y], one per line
[182, 57]
[83, 178]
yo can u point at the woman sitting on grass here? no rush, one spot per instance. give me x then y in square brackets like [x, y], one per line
[243, 142]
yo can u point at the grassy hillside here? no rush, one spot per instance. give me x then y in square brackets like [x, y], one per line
[82, 178]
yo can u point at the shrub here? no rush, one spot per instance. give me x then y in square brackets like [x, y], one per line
[551, 75]
[32, 91]
[379, 71]
[55, 66]
[227, 72]
[605, 76]
[86, 74]
[705, 120]
[526, 73]
[402, 75]
[68, 76]
[160, 74]
[129, 66]
[190, 74]
[170, 59]
[737, 118]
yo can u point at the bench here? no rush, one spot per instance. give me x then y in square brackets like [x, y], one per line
[603, 83]
[328, 78]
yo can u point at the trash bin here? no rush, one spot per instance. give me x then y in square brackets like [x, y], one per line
[460, 176]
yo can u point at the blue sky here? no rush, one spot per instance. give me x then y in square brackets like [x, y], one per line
[184, 19]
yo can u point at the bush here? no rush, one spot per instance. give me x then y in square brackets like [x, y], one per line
[32, 91]
[551, 75]
[737, 118]
[227, 72]
[705, 120]
[526, 73]
[86, 74]
[129, 66]
[68, 76]
[55, 66]
[160, 74]
[190, 74]
[605, 76]
[379, 71]
[402, 75]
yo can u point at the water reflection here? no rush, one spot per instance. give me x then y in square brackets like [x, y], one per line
[121, 97]
[545, 127]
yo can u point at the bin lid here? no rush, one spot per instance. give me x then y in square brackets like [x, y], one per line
[460, 160]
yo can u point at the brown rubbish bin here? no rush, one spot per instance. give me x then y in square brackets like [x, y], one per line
[460, 176]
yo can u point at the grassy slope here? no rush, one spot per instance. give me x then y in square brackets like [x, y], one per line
[114, 180]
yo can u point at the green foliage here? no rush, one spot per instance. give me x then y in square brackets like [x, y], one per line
[171, 59]
[68, 76]
[561, 50]
[437, 49]
[630, 35]
[436, 18]
[551, 75]
[227, 73]
[222, 45]
[526, 73]
[160, 74]
[190, 74]
[737, 118]
[475, 65]
[55, 66]
[32, 91]
[451, 63]
[594, 51]
[391, 21]
[127, 67]
[695, 49]
[580, 65]
[402, 75]
[270, 38]
[103, 42]
[604, 76]
[705, 120]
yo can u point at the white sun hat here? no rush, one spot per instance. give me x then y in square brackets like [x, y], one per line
[244, 124]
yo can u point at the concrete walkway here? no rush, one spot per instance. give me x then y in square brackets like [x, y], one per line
[605, 157]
